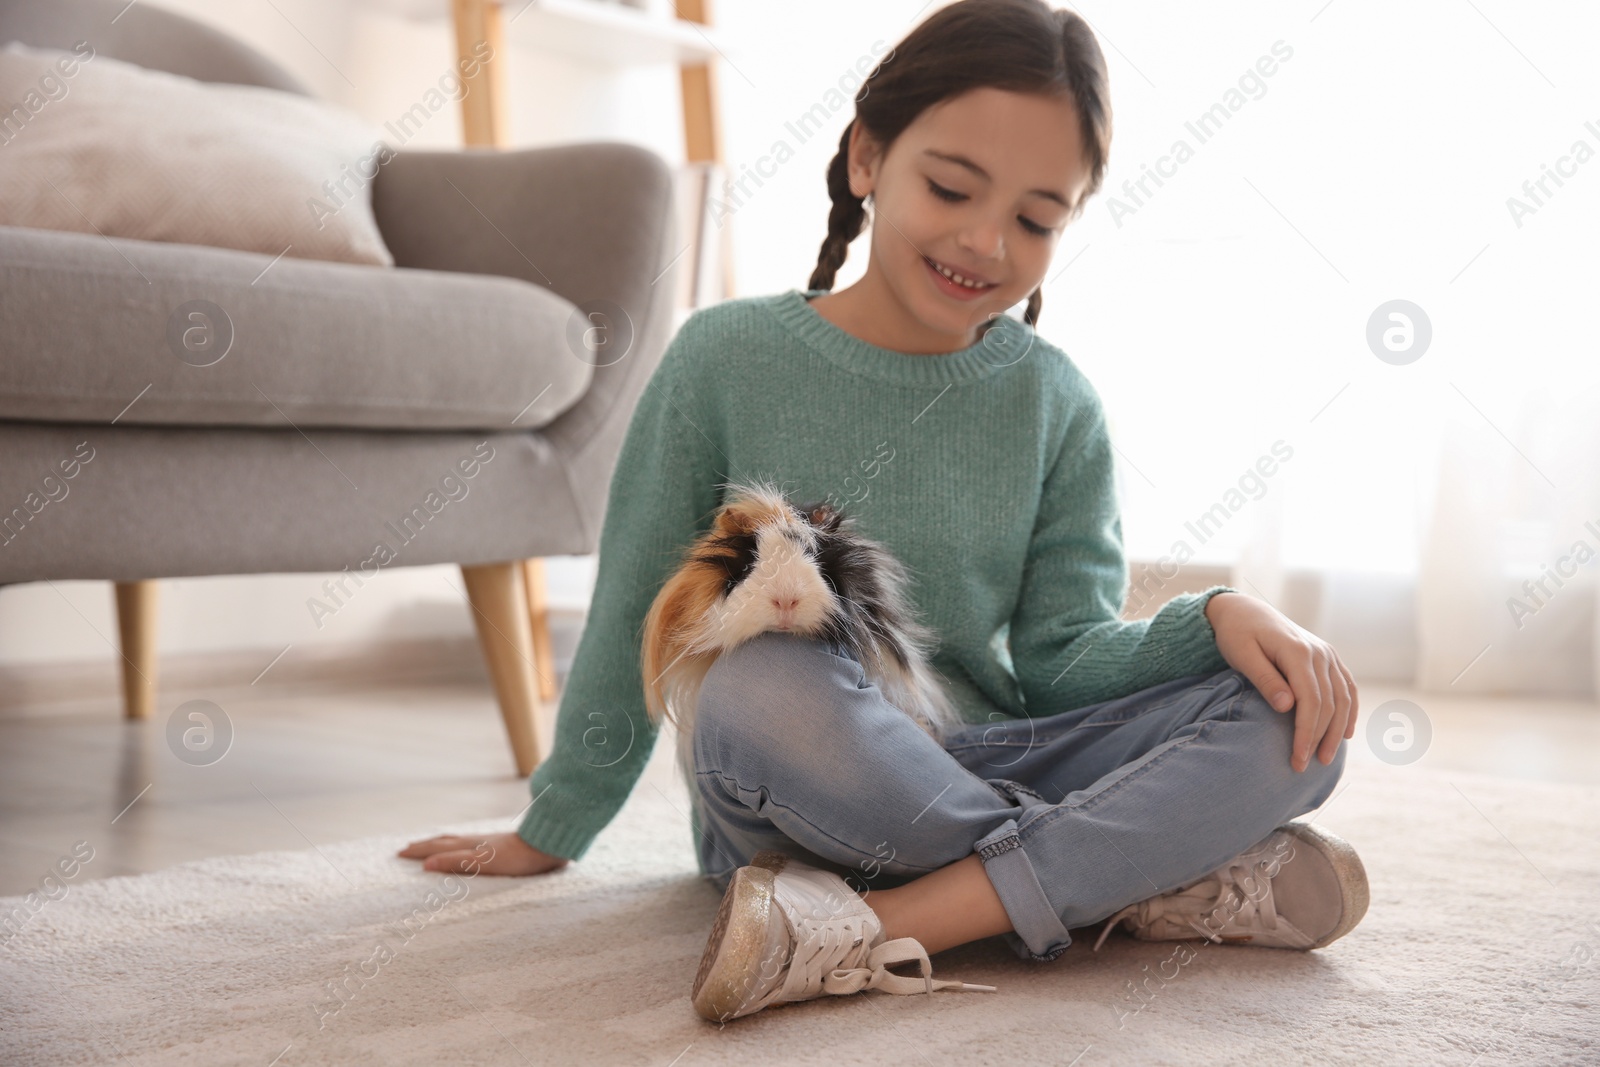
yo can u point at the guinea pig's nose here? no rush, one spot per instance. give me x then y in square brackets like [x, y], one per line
[786, 603]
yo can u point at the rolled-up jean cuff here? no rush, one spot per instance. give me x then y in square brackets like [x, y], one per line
[1038, 933]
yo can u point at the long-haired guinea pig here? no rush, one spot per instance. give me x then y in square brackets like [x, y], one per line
[767, 565]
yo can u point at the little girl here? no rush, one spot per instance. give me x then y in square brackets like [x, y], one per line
[1146, 771]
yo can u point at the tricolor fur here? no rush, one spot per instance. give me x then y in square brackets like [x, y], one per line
[766, 564]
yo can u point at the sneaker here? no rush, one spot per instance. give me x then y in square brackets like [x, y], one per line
[1313, 893]
[789, 931]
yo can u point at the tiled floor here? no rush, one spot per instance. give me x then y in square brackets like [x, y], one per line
[313, 765]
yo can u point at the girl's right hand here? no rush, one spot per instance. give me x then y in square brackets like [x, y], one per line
[483, 854]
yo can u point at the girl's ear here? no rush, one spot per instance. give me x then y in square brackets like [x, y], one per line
[862, 162]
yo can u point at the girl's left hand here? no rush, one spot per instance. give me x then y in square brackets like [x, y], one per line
[1264, 645]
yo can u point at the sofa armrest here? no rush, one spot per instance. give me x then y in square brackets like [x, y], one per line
[595, 223]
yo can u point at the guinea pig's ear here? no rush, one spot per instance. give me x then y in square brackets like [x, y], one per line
[822, 515]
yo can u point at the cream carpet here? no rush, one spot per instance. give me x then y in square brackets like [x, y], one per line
[1480, 946]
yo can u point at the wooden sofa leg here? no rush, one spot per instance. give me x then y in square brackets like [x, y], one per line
[544, 661]
[500, 613]
[136, 621]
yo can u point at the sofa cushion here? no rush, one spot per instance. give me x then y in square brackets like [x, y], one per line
[97, 145]
[146, 332]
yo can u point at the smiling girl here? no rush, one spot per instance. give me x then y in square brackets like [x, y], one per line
[1144, 772]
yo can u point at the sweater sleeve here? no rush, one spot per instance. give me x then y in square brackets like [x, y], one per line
[663, 492]
[1070, 648]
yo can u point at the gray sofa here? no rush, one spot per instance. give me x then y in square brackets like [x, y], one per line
[353, 399]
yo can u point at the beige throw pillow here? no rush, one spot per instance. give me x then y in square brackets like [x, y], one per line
[92, 144]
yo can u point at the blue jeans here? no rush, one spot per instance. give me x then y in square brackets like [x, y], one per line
[1074, 815]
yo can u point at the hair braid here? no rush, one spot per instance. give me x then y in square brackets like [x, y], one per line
[845, 220]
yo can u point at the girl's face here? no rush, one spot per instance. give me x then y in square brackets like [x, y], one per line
[982, 184]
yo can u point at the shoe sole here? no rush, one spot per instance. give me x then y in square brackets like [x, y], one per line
[737, 940]
[1347, 867]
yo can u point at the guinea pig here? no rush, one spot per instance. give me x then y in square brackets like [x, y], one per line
[766, 564]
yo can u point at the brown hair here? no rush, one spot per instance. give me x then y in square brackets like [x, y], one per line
[1017, 45]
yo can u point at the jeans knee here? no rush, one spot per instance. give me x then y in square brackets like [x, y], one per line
[1323, 779]
[1307, 789]
[760, 692]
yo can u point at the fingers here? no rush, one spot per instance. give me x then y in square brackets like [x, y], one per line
[1291, 669]
[459, 861]
[1355, 697]
[1268, 682]
[1308, 701]
[417, 850]
[1335, 704]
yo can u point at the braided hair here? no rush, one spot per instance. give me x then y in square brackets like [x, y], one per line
[1017, 45]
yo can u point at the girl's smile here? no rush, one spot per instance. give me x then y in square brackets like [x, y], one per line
[958, 285]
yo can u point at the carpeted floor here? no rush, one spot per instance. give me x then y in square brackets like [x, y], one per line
[1479, 948]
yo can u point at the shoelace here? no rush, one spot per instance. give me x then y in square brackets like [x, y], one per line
[870, 970]
[1204, 898]
[875, 975]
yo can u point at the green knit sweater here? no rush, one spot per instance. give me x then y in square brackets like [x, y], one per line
[986, 471]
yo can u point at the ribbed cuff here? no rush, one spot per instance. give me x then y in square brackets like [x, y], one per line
[559, 822]
[1194, 648]
[1204, 599]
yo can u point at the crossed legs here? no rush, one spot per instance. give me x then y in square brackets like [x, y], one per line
[1022, 827]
